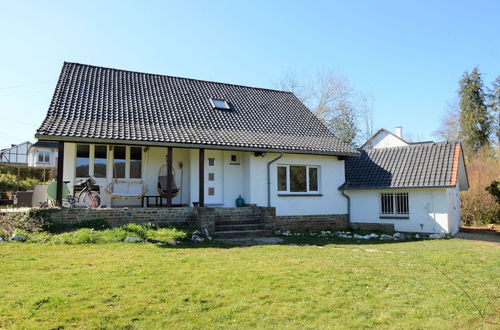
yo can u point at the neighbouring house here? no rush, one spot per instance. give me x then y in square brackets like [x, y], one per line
[221, 141]
[16, 154]
[411, 187]
[43, 154]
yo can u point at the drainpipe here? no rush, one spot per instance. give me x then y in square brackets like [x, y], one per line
[269, 179]
[348, 205]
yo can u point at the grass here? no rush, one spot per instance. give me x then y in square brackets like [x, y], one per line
[332, 285]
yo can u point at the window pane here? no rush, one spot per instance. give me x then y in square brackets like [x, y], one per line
[135, 162]
[298, 179]
[281, 178]
[313, 179]
[47, 157]
[40, 156]
[100, 157]
[402, 203]
[387, 205]
[119, 162]
[82, 160]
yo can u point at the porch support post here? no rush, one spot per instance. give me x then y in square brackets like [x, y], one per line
[201, 175]
[169, 176]
[60, 165]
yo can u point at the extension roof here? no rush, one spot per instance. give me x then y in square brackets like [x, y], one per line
[413, 166]
[45, 144]
[96, 104]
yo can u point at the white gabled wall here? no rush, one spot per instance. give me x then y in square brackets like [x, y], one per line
[429, 209]
[385, 140]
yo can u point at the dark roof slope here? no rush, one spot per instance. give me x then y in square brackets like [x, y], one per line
[96, 103]
[422, 165]
[45, 144]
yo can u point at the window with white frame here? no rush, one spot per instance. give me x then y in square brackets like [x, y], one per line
[127, 162]
[297, 179]
[91, 160]
[394, 204]
[44, 156]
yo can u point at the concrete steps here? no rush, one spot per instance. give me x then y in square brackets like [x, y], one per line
[250, 225]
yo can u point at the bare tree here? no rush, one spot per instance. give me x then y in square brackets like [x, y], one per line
[331, 97]
[449, 128]
[366, 115]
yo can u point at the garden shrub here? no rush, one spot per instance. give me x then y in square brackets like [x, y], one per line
[10, 182]
[478, 206]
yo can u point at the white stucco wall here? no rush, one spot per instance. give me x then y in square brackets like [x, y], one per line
[430, 209]
[331, 176]
[385, 140]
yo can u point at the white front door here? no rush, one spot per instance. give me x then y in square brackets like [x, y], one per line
[213, 178]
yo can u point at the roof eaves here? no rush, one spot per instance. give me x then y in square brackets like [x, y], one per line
[193, 145]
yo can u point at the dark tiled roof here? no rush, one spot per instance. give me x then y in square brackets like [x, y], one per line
[45, 144]
[422, 165]
[108, 104]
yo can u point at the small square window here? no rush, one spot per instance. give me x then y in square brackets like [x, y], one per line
[211, 162]
[211, 176]
[220, 104]
[211, 191]
[234, 160]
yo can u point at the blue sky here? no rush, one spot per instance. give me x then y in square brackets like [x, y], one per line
[409, 54]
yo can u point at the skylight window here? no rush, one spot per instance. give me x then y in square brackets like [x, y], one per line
[220, 104]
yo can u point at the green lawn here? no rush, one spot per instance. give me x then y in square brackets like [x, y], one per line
[119, 285]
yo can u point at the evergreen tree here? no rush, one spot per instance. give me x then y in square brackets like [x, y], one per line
[495, 106]
[475, 120]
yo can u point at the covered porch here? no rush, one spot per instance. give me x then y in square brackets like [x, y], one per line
[147, 175]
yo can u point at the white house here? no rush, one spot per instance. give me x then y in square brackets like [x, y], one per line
[413, 187]
[42, 154]
[155, 140]
[224, 141]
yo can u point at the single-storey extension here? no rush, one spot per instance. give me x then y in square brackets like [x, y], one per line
[413, 187]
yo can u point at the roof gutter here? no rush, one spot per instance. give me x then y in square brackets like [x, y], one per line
[269, 179]
[189, 145]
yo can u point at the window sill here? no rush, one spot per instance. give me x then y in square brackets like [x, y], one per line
[299, 195]
[394, 217]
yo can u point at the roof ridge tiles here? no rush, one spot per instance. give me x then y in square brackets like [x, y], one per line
[177, 77]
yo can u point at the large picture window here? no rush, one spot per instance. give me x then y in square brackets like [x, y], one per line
[297, 179]
[394, 204]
